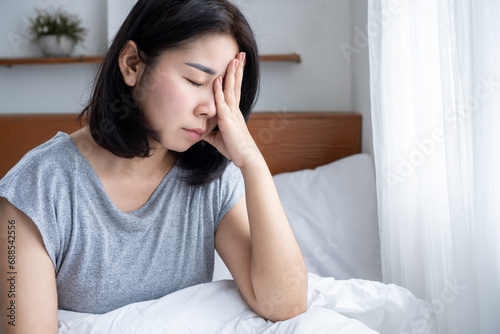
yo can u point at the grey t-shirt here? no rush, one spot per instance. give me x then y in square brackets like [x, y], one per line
[105, 258]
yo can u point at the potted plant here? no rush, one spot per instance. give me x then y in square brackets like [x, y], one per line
[57, 32]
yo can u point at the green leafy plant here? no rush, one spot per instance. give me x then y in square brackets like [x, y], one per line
[57, 23]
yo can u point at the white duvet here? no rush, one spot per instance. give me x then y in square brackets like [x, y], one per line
[334, 306]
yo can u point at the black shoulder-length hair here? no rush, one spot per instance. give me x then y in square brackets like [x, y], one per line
[155, 26]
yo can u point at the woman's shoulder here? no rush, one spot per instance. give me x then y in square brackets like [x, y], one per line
[57, 154]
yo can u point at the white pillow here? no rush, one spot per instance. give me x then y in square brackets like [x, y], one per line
[333, 212]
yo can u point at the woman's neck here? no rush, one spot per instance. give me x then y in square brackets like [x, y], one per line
[105, 163]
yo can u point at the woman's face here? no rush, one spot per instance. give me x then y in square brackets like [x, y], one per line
[177, 96]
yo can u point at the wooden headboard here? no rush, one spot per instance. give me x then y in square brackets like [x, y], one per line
[289, 141]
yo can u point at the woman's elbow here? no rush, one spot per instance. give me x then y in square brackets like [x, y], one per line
[284, 310]
[289, 312]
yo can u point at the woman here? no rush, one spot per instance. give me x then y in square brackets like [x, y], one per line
[130, 207]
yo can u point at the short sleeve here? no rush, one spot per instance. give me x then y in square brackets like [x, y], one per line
[232, 189]
[33, 186]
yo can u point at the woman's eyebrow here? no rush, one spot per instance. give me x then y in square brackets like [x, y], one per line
[203, 68]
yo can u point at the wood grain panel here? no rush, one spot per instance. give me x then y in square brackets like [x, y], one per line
[289, 141]
[298, 140]
[21, 133]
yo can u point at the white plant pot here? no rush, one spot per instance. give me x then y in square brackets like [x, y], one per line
[53, 46]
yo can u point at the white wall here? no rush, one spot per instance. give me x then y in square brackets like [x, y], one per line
[316, 29]
[47, 88]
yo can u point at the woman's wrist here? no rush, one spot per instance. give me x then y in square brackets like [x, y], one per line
[254, 161]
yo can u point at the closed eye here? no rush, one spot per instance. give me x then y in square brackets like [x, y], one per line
[194, 83]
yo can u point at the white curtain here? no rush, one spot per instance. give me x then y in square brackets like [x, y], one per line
[435, 93]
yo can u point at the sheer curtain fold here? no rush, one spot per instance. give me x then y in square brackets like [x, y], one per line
[435, 91]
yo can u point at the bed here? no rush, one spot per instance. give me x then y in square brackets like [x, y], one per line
[327, 187]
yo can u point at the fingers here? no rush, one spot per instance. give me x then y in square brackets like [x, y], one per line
[239, 78]
[220, 98]
[232, 83]
[229, 82]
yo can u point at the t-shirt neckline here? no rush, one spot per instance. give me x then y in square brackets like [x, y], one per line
[90, 171]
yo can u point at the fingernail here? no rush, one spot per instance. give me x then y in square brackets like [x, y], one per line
[236, 62]
[220, 80]
[244, 58]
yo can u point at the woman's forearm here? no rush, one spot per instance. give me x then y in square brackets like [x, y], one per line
[278, 271]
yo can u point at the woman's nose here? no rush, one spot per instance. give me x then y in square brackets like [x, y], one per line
[207, 107]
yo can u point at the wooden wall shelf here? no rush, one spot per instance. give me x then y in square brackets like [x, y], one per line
[292, 57]
[49, 60]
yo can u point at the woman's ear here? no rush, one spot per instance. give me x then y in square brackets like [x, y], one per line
[130, 64]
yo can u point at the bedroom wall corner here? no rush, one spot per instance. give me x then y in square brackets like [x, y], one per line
[356, 54]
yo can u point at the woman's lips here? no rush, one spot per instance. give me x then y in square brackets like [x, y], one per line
[194, 134]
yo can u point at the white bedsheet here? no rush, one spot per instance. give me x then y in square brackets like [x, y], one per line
[334, 306]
